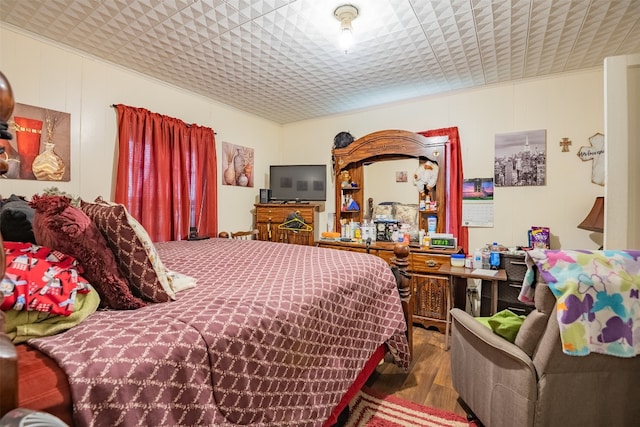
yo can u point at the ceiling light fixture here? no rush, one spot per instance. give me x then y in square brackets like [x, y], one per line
[345, 14]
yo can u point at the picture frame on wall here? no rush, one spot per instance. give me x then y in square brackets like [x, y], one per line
[41, 145]
[237, 165]
[520, 158]
[401, 176]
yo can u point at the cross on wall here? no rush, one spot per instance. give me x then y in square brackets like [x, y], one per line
[596, 153]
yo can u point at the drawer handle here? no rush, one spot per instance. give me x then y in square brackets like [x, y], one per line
[518, 263]
[431, 263]
[513, 285]
[515, 309]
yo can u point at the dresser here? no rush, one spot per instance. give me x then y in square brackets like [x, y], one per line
[508, 291]
[430, 287]
[278, 222]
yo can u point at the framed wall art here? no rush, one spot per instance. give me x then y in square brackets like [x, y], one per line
[237, 165]
[40, 148]
[520, 158]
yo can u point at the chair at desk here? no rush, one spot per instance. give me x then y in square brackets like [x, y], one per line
[245, 235]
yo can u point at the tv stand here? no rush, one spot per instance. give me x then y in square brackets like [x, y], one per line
[270, 217]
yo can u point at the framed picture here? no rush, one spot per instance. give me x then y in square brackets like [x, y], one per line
[237, 165]
[40, 148]
[520, 159]
[401, 176]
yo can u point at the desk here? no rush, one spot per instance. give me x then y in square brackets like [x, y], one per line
[469, 273]
[429, 287]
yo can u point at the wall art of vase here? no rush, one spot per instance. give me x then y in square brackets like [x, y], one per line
[237, 165]
[48, 166]
[230, 172]
[28, 133]
[13, 159]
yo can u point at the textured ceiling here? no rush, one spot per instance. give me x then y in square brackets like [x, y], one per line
[280, 59]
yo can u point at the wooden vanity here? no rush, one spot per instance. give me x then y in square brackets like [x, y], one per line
[430, 287]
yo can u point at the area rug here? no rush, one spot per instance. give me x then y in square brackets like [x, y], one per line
[371, 410]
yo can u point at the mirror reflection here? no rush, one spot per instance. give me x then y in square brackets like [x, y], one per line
[383, 182]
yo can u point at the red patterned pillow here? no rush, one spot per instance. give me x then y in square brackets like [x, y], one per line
[39, 279]
[135, 253]
[67, 229]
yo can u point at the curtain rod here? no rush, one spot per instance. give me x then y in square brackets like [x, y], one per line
[188, 124]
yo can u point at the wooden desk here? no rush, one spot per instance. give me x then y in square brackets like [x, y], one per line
[429, 287]
[469, 273]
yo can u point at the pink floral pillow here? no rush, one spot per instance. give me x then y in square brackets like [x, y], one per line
[67, 229]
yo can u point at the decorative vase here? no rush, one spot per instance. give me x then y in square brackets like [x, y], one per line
[247, 171]
[238, 165]
[12, 158]
[243, 180]
[28, 133]
[230, 173]
[48, 166]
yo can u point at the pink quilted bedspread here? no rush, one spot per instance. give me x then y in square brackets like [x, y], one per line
[273, 334]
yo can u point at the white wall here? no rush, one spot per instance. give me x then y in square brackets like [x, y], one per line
[568, 105]
[51, 76]
[622, 145]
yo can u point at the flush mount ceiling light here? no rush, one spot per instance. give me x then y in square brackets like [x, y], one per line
[345, 14]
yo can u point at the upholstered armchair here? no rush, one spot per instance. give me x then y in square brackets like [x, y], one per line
[532, 382]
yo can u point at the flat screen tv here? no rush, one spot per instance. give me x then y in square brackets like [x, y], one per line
[298, 182]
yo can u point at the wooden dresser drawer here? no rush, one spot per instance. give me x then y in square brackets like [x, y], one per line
[427, 263]
[279, 215]
[271, 217]
[388, 256]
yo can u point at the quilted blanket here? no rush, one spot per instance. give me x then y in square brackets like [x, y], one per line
[598, 305]
[273, 334]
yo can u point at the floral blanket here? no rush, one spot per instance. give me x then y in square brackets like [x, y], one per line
[598, 296]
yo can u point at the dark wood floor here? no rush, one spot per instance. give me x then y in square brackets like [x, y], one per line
[428, 381]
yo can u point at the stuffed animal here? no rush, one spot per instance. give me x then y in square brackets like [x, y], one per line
[426, 177]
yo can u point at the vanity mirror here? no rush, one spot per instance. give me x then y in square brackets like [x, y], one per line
[377, 156]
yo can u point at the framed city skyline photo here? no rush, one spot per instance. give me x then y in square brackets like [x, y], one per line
[520, 158]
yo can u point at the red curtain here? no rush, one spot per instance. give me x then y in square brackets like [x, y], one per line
[166, 174]
[454, 184]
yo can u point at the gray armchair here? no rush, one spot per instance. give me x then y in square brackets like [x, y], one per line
[532, 382]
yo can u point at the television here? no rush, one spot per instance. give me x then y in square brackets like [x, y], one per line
[298, 183]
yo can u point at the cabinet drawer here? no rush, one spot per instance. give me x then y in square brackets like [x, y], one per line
[279, 215]
[515, 267]
[427, 263]
[509, 291]
[514, 308]
[430, 293]
[385, 255]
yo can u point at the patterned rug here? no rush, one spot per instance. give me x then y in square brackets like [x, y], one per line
[372, 410]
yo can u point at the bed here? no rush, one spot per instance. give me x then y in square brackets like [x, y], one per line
[272, 334]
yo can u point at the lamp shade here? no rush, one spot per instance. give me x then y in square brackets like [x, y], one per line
[595, 219]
